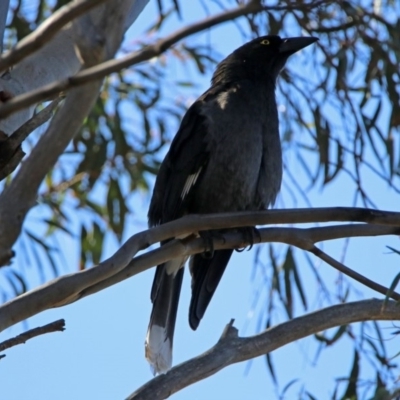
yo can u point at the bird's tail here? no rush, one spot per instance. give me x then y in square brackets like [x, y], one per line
[206, 274]
[165, 297]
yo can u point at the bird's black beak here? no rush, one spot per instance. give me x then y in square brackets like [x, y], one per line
[291, 45]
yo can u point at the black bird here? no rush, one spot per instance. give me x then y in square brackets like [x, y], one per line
[226, 156]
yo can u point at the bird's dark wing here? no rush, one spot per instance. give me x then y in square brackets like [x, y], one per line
[175, 185]
[184, 163]
[181, 168]
[176, 179]
[206, 274]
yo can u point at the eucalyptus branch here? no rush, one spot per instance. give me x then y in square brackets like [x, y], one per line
[231, 348]
[123, 265]
[56, 326]
[301, 238]
[10, 151]
[17, 199]
[101, 70]
[46, 31]
[37, 120]
[353, 274]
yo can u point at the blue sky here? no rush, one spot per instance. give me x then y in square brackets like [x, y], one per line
[101, 353]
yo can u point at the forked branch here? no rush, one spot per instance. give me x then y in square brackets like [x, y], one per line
[232, 348]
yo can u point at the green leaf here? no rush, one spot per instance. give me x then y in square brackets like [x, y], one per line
[339, 163]
[15, 277]
[310, 396]
[392, 288]
[116, 207]
[287, 271]
[323, 141]
[53, 224]
[287, 387]
[297, 281]
[336, 336]
[290, 271]
[275, 277]
[91, 244]
[394, 250]
[268, 358]
[46, 249]
[351, 390]
[381, 393]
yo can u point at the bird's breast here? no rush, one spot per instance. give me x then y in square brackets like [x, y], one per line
[242, 129]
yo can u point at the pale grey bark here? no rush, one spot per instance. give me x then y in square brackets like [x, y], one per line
[58, 59]
[45, 32]
[107, 23]
[231, 348]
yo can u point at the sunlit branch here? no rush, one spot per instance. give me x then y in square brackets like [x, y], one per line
[123, 265]
[56, 326]
[353, 274]
[231, 348]
[46, 31]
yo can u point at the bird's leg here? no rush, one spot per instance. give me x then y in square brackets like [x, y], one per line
[208, 237]
[249, 235]
[208, 244]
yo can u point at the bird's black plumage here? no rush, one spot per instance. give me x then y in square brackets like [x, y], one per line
[226, 156]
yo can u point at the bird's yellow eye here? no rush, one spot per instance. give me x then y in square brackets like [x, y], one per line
[265, 42]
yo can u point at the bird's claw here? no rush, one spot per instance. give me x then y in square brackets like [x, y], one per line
[208, 244]
[249, 234]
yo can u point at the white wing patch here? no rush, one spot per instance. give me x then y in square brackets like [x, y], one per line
[190, 181]
[223, 98]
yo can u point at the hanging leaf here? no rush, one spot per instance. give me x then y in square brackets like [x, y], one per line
[116, 207]
[351, 390]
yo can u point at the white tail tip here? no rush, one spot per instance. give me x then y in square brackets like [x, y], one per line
[158, 350]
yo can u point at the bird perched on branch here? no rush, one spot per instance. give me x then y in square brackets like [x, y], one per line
[226, 156]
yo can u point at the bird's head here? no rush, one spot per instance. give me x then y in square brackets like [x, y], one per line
[260, 59]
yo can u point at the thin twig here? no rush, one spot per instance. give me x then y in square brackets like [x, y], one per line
[353, 274]
[101, 70]
[10, 151]
[37, 120]
[56, 326]
[46, 31]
